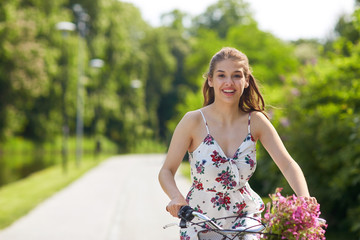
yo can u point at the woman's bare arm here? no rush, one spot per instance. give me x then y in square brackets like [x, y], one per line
[179, 144]
[271, 141]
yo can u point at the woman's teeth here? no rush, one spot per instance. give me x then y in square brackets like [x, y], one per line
[228, 91]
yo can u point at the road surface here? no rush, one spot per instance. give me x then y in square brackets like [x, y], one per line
[120, 199]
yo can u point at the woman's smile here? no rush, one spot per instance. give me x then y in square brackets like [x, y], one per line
[228, 80]
[228, 91]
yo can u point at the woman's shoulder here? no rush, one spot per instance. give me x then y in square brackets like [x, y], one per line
[193, 114]
[257, 116]
[191, 118]
[259, 122]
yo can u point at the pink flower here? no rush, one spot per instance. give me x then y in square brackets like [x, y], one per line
[293, 218]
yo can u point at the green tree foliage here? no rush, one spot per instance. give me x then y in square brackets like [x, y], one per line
[324, 114]
[39, 70]
[179, 47]
[27, 61]
[222, 15]
[118, 42]
[270, 57]
[161, 70]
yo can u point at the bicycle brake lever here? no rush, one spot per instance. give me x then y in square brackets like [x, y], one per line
[182, 223]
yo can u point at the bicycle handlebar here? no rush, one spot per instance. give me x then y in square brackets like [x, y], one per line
[187, 214]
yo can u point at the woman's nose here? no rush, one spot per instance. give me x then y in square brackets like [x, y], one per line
[229, 80]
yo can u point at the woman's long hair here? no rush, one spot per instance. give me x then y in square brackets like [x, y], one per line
[251, 99]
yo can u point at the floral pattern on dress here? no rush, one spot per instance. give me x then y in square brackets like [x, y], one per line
[200, 166]
[236, 155]
[240, 223]
[198, 184]
[184, 236]
[226, 179]
[249, 137]
[217, 159]
[249, 161]
[221, 200]
[239, 207]
[189, 195]
[220, 185]
[209, 140]
[198, 209]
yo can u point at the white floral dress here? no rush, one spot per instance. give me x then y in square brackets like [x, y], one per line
[220, 185]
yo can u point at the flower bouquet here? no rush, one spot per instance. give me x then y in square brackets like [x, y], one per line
[292, 218]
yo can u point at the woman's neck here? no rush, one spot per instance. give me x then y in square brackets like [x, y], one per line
[225, 113]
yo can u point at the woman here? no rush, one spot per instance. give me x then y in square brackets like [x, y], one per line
[221, 140]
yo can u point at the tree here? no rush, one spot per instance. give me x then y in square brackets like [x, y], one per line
[117, 39]
[325, 118]
[223, 15]
[25, 72]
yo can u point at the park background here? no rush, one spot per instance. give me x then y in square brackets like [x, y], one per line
[146, 79]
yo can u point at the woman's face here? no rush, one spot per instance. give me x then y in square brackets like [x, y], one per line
[228, 81]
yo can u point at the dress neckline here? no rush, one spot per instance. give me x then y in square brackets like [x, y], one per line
[215, 142]
[221, 149]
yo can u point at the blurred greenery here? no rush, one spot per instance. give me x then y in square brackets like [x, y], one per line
[311, 88]
[21, 157]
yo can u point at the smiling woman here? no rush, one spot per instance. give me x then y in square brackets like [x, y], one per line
[229, 80]
[221, 141]
[250, 98]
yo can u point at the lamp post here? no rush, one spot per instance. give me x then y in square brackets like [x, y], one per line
[65, 28]
[97, 63]
[81, 26]
[81, 23]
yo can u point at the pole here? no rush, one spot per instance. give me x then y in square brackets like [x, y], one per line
[64, 27]
[79, 107]
[81, 22]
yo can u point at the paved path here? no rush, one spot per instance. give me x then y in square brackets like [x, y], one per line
[120, 199]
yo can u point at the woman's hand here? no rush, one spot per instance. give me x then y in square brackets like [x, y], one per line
[175, 204]
[311, 200]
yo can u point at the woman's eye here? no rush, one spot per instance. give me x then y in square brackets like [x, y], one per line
[237, 76]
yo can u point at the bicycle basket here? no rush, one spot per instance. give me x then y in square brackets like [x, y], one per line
[212, 234]
[226, 235]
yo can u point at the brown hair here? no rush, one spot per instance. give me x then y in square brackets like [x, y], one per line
[251, 99]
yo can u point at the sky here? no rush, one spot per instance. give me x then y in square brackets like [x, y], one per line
[286, 19]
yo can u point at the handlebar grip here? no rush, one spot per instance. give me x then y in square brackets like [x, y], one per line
[185, 214]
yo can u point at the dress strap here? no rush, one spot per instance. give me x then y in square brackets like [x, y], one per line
[249, 123]
[206, 125]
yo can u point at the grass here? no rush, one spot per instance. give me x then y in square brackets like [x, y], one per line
[18, 198]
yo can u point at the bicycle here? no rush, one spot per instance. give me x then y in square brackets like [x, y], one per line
[212, 231]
